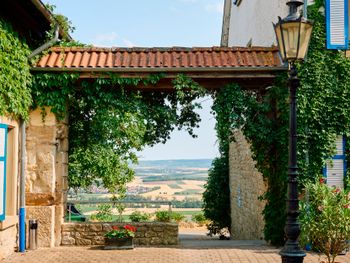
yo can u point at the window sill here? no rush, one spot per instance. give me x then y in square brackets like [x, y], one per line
[8, 222]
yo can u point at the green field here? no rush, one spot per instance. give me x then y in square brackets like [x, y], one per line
[189, 192]
[174, 186]
[174, 177]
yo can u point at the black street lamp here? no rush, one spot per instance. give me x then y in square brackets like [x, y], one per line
[293, 35]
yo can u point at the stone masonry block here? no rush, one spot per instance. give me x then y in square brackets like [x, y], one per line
[45, 217]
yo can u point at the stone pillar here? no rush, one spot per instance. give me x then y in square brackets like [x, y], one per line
[246, 186]
[46, 174]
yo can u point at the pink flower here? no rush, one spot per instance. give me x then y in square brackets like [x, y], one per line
[322, 180]
[336, 190]
[130, 228]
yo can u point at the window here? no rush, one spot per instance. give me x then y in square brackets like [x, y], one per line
[337, 24]
[3, 153]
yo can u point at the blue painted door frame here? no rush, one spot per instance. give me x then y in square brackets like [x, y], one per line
[3, 150]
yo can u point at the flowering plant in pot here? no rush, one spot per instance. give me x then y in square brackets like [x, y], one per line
[120, 237]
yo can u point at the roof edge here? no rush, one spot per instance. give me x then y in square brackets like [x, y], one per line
[161, 69]
[48, 15]
[165, 49]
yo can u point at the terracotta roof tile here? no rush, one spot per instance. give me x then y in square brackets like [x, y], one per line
[162, 58]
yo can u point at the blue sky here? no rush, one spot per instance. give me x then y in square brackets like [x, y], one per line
[153, 23]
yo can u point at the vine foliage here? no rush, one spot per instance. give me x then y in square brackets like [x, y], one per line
[109, 121]
[15, 77]
[323, 112]
[255, 114]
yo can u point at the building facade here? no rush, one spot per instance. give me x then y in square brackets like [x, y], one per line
[45, 157]
[249, 22]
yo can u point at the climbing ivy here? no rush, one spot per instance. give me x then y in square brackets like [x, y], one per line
[15, 77]
[324, 105]
[323, 112]
[109, 121]
[262, 116]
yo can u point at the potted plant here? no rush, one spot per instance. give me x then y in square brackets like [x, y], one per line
[120, 237]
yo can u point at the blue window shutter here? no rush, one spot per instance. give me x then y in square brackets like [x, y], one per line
[3, 150]
[335, 170]
[337, 24]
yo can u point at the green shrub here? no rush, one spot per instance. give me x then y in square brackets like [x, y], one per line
[216, 197]
[325, 219]
[163, 216]
[199, 219]
[104, 213]
[177, 217]
[137, 216]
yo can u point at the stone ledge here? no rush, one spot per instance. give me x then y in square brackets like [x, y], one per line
[147, 234]
[39, 199]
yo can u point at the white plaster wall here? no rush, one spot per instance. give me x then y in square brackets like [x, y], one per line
[253, 19]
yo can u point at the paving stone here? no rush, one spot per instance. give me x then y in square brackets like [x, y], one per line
[246, 254]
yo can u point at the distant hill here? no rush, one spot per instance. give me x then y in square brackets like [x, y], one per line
[178, 163]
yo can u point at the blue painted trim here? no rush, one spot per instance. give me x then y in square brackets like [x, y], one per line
[22, 229]
[3, 159]
[328, 27]
[338, 157]
[324, 171]
[344, 153]
[346, 28]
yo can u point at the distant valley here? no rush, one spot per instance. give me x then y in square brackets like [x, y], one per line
[179, 181]
[170, 179]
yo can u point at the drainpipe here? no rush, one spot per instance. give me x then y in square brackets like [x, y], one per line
[305, 9]
[22, 184]
[47, 44]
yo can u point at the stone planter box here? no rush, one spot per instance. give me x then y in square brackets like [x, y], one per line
[118, 243]
[92, 233]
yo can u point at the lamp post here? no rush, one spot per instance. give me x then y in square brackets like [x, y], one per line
[293, 35]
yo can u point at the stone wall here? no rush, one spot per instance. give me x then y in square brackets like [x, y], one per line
[46, 175]
[246, 185]
[147, 234]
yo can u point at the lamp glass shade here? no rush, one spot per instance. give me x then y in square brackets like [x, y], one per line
[293, 38]
[280, 43]
[305, 36]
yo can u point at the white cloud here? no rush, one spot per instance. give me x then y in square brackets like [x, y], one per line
[176, 10]
[105, 39]
[128, 43]
[215, 7]
[111, 39]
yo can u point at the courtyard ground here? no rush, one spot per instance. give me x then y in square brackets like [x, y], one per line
[235, 254]
[194, 247]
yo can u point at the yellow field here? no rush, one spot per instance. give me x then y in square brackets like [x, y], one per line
[168, 193]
